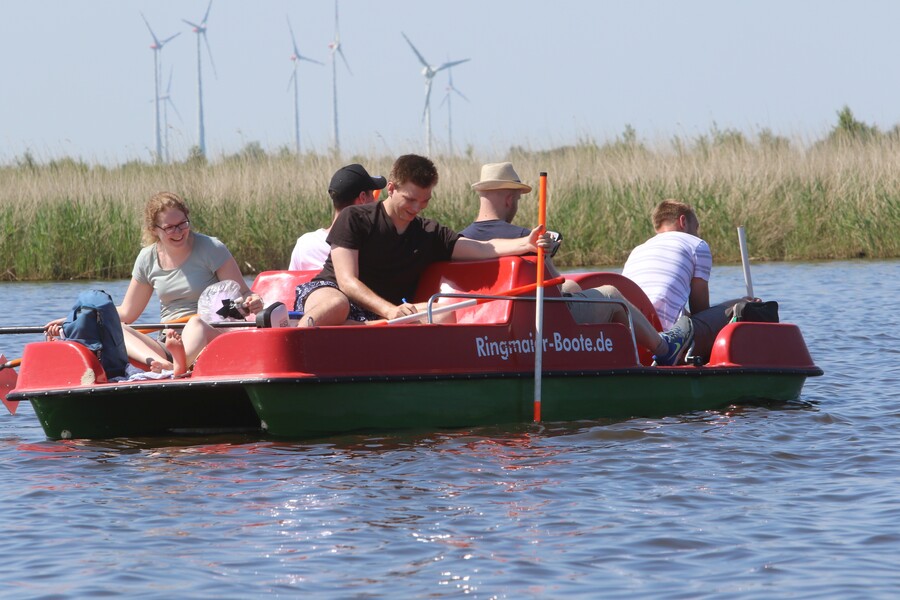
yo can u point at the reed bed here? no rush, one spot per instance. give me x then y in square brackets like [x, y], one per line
[837, 200]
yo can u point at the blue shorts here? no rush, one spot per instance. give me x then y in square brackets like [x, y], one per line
[303, 291]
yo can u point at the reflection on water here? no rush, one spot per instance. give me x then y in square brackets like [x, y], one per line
[785, 499]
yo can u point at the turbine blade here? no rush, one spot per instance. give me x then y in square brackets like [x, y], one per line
[169, 86]
[209, 52]
[335, 20]
[460, 94]
[168, 39]
[421, 58]
[346, 64]
[175, 108]
[155, 41]
[192, 24]
[292, 78]
[293, 38]
[206, 14]
[301, 57]
[447, 65]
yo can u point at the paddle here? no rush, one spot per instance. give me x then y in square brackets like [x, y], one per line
[11, 364]
[745, 260]
[151, 329]
[8, 379]
[516, 291]
[142, 326]
[539, 299]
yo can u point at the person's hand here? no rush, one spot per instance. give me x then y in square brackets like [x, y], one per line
[539, 238]
[252, 304]
[401, 311]
[53, 329]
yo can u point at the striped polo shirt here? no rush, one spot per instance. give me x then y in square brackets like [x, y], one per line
[663, 267]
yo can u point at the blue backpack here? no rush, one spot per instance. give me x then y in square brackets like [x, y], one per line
[94, 322]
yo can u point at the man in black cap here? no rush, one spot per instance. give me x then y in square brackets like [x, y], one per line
[378, 252]
[350, 185]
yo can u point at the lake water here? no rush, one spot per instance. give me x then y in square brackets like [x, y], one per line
[798, 500]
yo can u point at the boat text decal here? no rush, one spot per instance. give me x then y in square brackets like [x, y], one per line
[485, 347]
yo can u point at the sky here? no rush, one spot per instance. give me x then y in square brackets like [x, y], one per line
[77, 75]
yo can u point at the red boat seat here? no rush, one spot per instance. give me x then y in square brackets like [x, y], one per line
[59, 364]
[280, 286]
[769, 345]
[495, 276]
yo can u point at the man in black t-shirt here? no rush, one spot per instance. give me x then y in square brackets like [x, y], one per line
[378, 252]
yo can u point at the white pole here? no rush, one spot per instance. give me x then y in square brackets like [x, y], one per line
[745, 260]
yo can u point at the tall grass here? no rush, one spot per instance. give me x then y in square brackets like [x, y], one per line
[836, 200]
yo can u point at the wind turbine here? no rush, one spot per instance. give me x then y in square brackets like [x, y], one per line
[429, 72]
[200, 30]
[157, 47]
[296, 57]
[336, 49]
[447, 98]
[167, 100]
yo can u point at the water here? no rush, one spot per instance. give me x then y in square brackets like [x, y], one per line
[798, 500]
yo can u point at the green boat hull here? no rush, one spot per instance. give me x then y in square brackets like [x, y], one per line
[144, 411]
[304, 408]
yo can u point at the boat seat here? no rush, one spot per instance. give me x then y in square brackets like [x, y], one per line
[494, 276]
[280, 286]
[60, 363]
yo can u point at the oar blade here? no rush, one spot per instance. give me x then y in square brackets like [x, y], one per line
[8, 379]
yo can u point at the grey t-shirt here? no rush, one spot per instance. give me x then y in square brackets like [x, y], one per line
[179, 289]
[492, 230]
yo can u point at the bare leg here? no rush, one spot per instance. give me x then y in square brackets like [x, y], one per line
[325, 306]
[145, 350]
[197, 334]
[176, 347]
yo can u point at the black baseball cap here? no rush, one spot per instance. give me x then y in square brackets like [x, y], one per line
[348, 182]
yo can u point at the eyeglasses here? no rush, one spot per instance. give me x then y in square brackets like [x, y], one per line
[170, 229]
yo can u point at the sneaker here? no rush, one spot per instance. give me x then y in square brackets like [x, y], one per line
[680, 339]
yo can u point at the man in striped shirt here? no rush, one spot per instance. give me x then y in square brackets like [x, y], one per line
[673, 269]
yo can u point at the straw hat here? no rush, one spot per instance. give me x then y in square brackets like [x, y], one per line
[500, 176]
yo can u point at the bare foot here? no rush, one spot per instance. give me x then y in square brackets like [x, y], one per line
[176, 348]
[158, 366]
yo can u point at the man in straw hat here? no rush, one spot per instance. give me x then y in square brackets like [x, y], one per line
[499, 190]
[349, 185]
[378, 252]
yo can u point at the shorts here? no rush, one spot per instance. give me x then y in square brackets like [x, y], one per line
[303, 291]
[592, 312]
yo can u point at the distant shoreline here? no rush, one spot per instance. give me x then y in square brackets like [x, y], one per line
[67, 220]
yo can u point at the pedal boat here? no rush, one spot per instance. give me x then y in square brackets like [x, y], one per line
[301, 383]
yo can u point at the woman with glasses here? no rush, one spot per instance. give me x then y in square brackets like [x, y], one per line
[178, 264]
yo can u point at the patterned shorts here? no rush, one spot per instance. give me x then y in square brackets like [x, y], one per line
[305, 289]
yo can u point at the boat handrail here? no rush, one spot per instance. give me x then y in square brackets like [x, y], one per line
[566, 299]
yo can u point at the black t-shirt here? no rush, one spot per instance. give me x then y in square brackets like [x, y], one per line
[389, 263]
